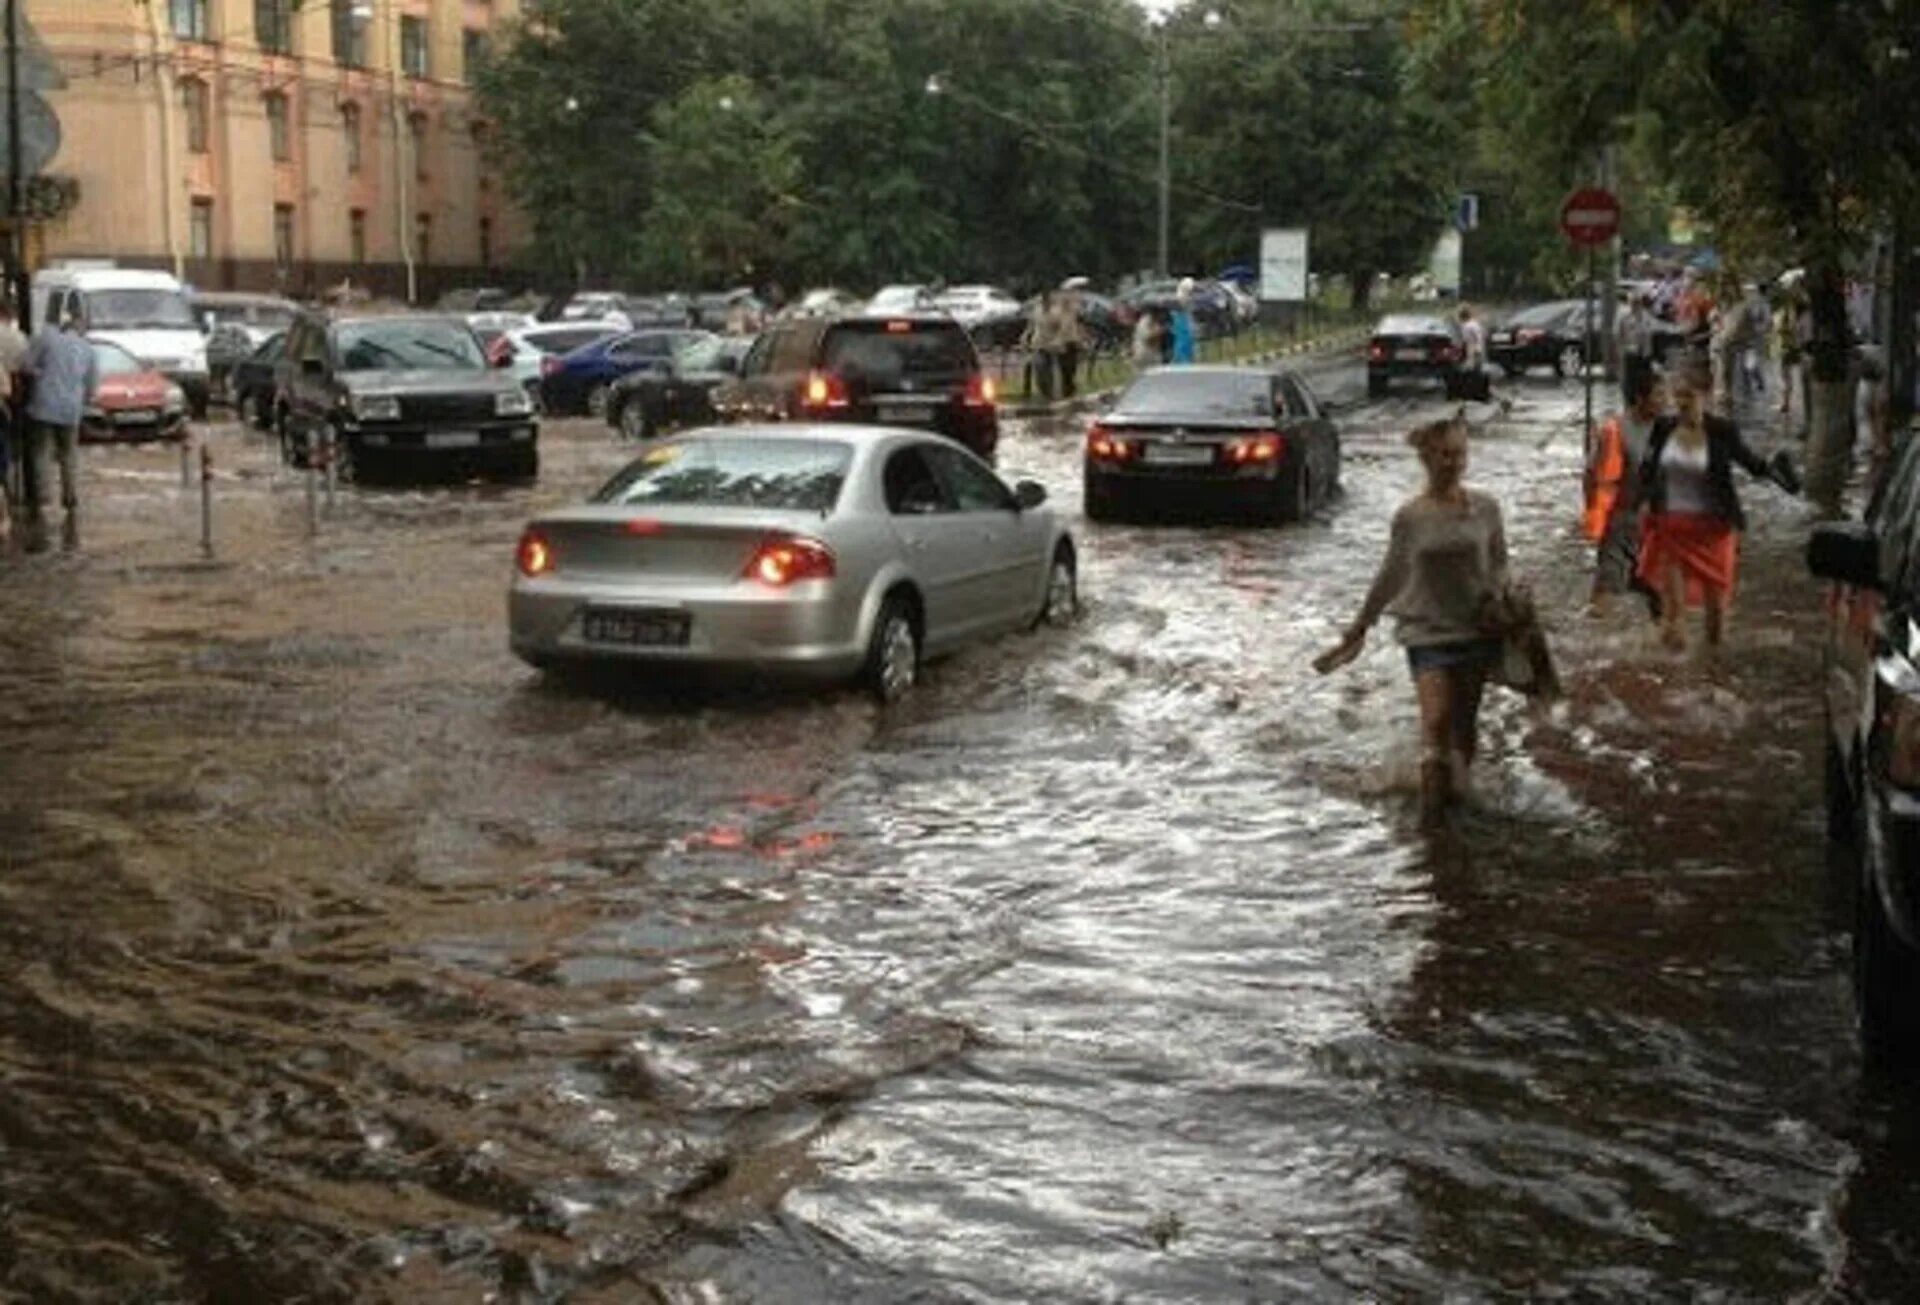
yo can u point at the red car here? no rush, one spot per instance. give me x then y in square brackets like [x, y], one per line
[133, 402]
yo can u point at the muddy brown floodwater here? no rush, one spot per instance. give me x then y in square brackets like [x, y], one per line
[343, 958]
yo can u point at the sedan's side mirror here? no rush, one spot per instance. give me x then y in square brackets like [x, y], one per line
[1029, 494]
[1846, 552]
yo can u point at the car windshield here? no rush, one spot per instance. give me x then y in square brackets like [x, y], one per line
[1182, 392]
[407, 345]
[115, 361]
[881, 353]
[786, 474]
[127, 310]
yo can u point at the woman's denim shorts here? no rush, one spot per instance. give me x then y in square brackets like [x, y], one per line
[1481, 653]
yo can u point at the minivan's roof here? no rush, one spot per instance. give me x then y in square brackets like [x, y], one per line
[242, 298]
[107, 278]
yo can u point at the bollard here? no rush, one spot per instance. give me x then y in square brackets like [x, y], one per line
[186, 454]
[327, 448]
[206, 501]
[313, 494]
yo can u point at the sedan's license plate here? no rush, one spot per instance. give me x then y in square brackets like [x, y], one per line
[1411, 355]
[452, 439]
[140, 418]
[903, 414]
[636, 627]
[1179, 455]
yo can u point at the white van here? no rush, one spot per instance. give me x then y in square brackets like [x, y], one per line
[145, 313]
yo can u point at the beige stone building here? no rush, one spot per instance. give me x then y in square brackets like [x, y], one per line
[277, 144]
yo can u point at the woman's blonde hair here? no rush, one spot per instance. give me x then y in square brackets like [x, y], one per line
[1429, 436]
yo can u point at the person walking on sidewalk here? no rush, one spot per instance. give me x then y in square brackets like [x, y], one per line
[1069, 339]
[65, 375]
[1149, 339]
[1633, 335]
[1040, 344]
[1180, 325]
[1444, 572]
[1690, 548]
[1612, 518]
[13, 356]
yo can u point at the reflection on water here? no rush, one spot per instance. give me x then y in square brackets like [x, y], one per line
[344, 959]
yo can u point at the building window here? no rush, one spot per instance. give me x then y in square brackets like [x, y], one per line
[277, 136]
[200, 229]
[357, 235]
[350, 32]
[190, 19]
[486, 242]
[193, 99]
[350, 128]
[423, 238]
[417, 130]
[273, 25]
[283, 235]
[413, 46]
[473, 51]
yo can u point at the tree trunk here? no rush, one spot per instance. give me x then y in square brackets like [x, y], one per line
[1362, 289]
[1900, 340]
[1830, 434]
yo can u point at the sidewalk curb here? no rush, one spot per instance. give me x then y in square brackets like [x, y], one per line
[1091, 399]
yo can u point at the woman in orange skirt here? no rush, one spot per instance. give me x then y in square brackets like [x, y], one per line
[1690, 548]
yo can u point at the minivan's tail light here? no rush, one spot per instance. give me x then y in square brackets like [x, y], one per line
[1255, 449]
[1900, 736]
[825, 390]
[787, 559]
[1104, 446]
[981, 391]
[535, 554]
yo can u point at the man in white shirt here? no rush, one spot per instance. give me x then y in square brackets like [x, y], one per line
[1633, 334]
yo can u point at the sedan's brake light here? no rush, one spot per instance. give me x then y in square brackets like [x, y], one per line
[981, 391]
[550, 363]
[825, 390]
[1104, 446]
[1254, 449]
[1900, 736]
[1527, 335]
[786, 559]
[1377, 351]
[535, 554]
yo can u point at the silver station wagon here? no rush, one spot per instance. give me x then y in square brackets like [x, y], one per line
[814, 551]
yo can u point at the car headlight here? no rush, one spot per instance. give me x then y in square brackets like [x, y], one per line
[512, 403]
[176, 398]
[376, 407]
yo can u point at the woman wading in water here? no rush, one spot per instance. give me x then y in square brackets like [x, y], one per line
[1446, 566]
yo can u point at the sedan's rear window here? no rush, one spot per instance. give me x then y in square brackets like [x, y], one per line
[565, 341]
[1177, 392]
[1543, 314]
[1411, 326]
[881, 352]
[735, 471]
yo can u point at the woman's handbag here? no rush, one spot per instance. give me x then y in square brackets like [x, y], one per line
[1525, 663]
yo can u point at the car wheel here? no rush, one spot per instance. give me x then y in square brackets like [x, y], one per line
[1062, 600]
[346, 465]
[893, 651]
[633, 421]
[535, 399]
[1096, 499]
[1376, 386]
[597, 401]
[246, 410]
[1886, 984]
[1511, 370]
[1296, 496]
[1570, 361]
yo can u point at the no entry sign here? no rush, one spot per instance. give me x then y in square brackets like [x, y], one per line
[1590, 217]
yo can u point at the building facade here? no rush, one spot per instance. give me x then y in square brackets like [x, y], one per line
[277, 144]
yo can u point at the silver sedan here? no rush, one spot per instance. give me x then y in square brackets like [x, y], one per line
[829, 551]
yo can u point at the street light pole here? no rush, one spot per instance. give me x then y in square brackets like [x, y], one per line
[16, 246]
[1166, 132]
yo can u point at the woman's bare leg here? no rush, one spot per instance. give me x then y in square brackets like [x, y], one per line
[1715, 622]
[1465, 687]
[1434, 689]
[1673, 608]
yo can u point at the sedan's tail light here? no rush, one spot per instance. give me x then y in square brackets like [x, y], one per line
[1528, 335]
[981, 391]
[1104, 446]
[786, 559]
[535, 554]
[824, 390]
[549, 364]
[1255, 449]
[1376, 352]
[1446, 352]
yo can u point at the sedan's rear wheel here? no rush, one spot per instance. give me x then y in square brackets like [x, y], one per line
[1570, 361]
[893, 652]
[1096, 499]
[1296, 504]
[633, 420]
[246, 409]
[1062, 602]
[597, 401]
[1376, 385]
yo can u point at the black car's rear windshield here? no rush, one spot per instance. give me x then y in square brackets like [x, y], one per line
[735, 471]
[881, 352]
[1181, 393]
[403, 345]
[1411, 326]
[1542, 314]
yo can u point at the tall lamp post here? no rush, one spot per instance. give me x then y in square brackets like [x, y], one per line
[1163, 70]
[363, 11]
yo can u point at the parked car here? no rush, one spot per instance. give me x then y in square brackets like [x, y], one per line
[235, 325]
[645, 403]
[499, 319]
[578, 381]
[528, 352]
[144, 312]
[1552, 335]
[903, 298]
[1403, 345]
[917, 369]
[392, 394]
[1212, 438]
[972, 305]
[132, 401]
[250, 383]
[597, 306]
[1208, 302]
[1871, 674]
[827, 301]
[806, 550]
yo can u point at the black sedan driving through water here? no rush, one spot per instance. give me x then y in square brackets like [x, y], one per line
[1223, 438]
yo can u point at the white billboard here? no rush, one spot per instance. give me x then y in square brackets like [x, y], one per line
[1283, 265]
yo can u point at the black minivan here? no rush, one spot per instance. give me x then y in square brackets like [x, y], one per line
[1872, 683]
[401, 395]
[912, 369]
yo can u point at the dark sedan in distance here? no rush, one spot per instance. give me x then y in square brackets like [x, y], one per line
[1423, 348]
[578, 382]
[648, 402]
[1552, 335]
[251, 385]
[1212, 438]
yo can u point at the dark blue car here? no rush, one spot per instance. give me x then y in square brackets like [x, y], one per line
[578, 382]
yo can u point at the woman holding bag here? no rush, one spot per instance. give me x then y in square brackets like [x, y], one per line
[1444, 579]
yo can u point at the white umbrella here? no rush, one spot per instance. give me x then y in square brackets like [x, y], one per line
[1075, 283]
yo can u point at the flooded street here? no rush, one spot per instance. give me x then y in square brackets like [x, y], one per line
[344, 958]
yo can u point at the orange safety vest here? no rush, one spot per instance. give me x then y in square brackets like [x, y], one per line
[1604, 476]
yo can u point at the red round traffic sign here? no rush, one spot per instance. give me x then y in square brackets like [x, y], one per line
[1590, 217]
